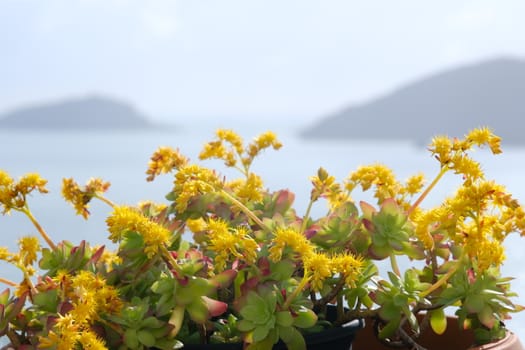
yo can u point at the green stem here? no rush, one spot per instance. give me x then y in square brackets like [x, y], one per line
[427, 190]
[39, 228]
[394, 264]
[105, 200]
[441, 281]
[306, 216]
[296, 291]
[246, 210]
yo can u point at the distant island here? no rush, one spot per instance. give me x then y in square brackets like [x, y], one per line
[489, 93]
[92, 112]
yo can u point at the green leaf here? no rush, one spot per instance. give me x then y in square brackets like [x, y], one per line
[146, 338]
[284, 318]
[47, 301]
[293, 339]
[438, 321]
[260, 333]
[474, 303]
[152, 322]
[245, 325]
[389, 329]
[131, 339]
[305, 318]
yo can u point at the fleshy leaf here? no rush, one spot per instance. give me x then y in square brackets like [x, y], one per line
[438, 321]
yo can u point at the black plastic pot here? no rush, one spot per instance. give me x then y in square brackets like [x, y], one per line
[339, 338]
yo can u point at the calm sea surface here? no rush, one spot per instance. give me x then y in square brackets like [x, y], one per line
[121, 158]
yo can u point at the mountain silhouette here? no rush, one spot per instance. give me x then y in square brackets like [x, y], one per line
[489, 93]
[93, 112]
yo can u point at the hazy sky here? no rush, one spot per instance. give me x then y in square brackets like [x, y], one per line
[242, 58]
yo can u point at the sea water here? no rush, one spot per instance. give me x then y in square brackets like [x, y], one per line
[122, 157]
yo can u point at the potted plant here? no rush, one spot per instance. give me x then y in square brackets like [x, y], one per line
[225, 262]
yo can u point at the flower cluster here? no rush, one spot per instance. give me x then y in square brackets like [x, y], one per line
[226, 260]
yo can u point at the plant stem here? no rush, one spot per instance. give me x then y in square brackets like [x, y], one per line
[394, 264]
[40, 229]
[8, 282]
[105, 200]
[441, 281]
[296, 291]
[427, 190]
[246, 210]
[306, 216]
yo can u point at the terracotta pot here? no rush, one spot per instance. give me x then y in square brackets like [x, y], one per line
[453, 339]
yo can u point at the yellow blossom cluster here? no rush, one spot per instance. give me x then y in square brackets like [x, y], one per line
[90, 299]
[27, 255]
[164, 160]
[261, 142]
[377, 175]
[318, 266]
[249, 189]
[325, 186]
[193, 180]
[230, 244]
[478, 217]
[125, 219]
[453, 153]
[13, 193]
[80, 197]
[236, 152]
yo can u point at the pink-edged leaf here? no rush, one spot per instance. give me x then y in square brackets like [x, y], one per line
[367, 209]
[224, 279]
[390, 206]
[215, 307]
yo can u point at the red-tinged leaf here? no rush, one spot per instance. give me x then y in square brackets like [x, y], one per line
[283, 201]
[224, 279]
[368, 225]
[96, 255]
[486, 317]
[215, 307]
[367, 209]
[390, 206]
[438, 321]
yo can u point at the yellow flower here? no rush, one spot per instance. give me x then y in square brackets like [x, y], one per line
[319, 267]
[414, 184]
[193, 180]
[230, 244]
[467, 166]
[349, 266]
[90, 341]
[288, 237]
[249, 190]
[441, 149]
[80, 197]
[29, 248]
[30, 182]
[376, 175]
[164, 160]
[13, 194]
[216, 149]
[125, 219]
[196, 225]
[5, 254]
[232, 138]
[484, 136]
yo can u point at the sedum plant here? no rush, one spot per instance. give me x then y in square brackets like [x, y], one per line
[227, 260]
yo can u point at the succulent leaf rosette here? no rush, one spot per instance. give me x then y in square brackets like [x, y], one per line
[228, 261]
